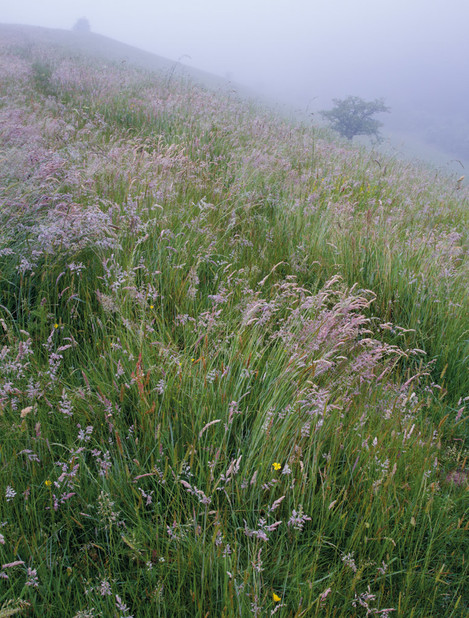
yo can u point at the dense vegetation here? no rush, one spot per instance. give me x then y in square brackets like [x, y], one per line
[233, 360]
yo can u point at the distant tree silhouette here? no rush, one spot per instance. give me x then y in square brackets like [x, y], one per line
[353, 116]
[82, 25]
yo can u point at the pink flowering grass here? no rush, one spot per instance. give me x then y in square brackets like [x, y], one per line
[233, 358]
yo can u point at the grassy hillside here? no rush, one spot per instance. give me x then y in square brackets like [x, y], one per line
[89, 45]
[233, 360]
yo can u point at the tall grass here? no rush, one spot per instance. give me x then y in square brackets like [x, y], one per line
[234, 359]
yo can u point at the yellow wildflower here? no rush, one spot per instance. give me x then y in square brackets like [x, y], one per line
[48, 483]
[276, 465]
[276, 597]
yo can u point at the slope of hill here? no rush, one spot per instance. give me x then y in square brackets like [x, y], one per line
[90, 45]
[233, 356]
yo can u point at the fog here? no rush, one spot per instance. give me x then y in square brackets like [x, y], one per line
[303, 53]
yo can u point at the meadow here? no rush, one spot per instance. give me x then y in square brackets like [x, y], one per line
[233, 357]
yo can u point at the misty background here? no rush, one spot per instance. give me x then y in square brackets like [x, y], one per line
[303, 53]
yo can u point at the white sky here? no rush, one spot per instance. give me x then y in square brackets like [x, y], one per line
[294, 49]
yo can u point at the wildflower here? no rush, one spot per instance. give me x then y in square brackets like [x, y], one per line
[276, 597]
[348, 560]
[276, 465]
[298, 519]
[152, 306]
[86, 613]
[148, 496]
[105, 589]
[32, 578]
[85, 434]
[56, 325]
[65, 405]
[48, 483]
[10, 493]
[122, 607]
